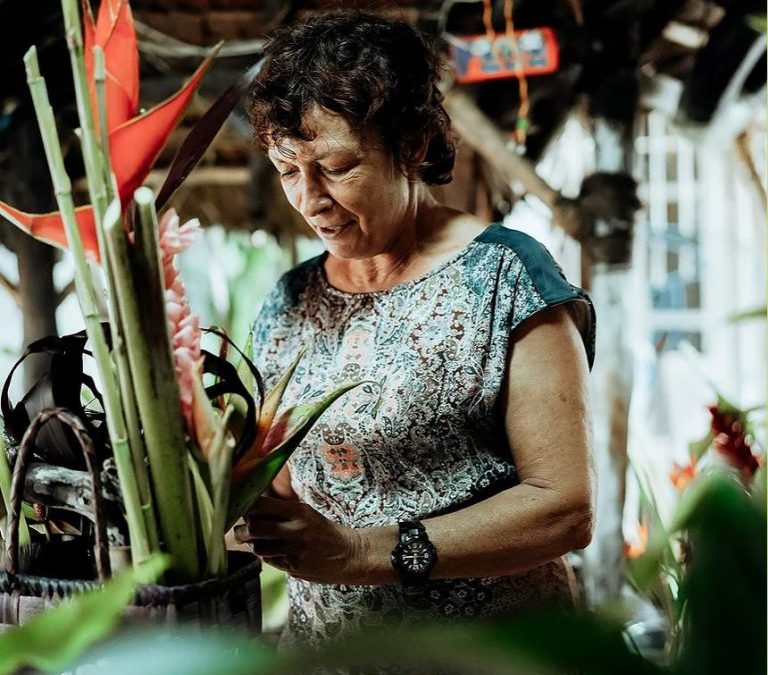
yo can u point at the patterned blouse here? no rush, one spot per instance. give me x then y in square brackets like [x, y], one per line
[431, 439]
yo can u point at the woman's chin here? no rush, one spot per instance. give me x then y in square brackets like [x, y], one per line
[345, 248]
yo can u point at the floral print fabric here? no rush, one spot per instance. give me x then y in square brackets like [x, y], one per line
[429, 437]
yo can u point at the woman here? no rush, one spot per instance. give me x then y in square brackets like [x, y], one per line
[455, 489]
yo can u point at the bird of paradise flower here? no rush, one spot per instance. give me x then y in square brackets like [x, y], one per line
[135, 138]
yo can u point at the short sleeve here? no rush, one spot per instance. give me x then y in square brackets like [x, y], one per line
[539, 283]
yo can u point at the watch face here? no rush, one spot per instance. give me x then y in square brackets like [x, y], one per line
[417, 556]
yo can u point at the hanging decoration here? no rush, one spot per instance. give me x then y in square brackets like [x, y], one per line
[515, 53]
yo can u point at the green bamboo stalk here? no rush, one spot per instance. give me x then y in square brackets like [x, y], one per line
[116, 253]
[155, 385]
[118, 342]
[97, 178]
[100, 82]
[86, 297]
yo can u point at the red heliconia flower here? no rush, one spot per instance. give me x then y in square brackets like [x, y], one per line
[682, 476]
[135, 140]
[730, 440]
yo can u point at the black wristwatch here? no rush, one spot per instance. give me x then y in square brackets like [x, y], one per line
[414, 556]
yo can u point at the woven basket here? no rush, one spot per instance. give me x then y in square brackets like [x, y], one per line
[234, 600]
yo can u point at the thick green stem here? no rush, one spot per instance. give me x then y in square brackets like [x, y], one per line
[117, 254]
[98, 172]
[94, 162]
[155, 384]
[86, 296]
[100, 80]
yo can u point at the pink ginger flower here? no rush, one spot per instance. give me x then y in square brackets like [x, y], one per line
[183, 326]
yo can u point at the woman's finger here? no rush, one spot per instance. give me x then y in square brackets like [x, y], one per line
[271, 508]
[266, 548]
[266, 529]
[259, 529]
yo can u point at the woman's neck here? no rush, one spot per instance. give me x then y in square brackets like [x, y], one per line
[435, 234]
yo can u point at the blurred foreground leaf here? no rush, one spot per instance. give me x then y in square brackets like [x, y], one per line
[58, 636]
[537, 643]
[187, 650]
[724, 627]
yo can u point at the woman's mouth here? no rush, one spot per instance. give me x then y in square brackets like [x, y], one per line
[333, 231]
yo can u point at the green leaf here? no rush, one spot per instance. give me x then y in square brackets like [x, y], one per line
[697, 449]
[202, 494]
[724, 625]
[758, 22]
[246, 373]
[755, 312]
[260, 475]
[220, 462]
[171, 650]
[534, 643]
[56, 637]
[5, 488]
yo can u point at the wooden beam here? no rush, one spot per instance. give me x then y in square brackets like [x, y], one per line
[217, 176]
[483, 136]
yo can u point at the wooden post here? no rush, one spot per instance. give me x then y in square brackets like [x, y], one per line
[612, 378]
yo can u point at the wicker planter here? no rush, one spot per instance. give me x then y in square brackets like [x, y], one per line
[234, 600]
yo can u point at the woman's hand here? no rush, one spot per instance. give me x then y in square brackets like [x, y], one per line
[293, 537]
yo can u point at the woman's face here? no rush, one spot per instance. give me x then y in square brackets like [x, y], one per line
[346, 187]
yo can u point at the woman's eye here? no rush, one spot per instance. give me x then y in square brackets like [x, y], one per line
[287, 172]
[336, 172]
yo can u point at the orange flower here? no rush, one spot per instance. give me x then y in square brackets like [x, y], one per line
[637, 548]
[681, 476]
[135, 141]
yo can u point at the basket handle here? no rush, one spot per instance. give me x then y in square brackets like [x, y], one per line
[17, 488]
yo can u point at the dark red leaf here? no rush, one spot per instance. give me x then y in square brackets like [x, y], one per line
[202, 134]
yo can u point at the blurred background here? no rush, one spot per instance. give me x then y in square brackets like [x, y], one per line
[629, 136]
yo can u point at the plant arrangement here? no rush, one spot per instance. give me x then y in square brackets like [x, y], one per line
[191, 436]
[661, 559]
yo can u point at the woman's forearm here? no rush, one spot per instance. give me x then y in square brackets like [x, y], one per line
[520, 528]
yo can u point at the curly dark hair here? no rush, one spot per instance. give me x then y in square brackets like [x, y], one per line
[377, 74]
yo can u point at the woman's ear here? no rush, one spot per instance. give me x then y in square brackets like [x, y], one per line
[418, 157]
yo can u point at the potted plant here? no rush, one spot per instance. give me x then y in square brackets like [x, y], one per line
[190, 437]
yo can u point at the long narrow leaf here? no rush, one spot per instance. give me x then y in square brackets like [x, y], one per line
[247, 371]
[220, 465]
[250, 478]
[267, 416]
[5, 490]
[202, 134]
[204, 503]
[229, 383]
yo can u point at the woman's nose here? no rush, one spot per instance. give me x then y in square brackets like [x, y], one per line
[315, 198]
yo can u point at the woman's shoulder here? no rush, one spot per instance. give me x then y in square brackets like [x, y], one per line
[526, 256]
[531, 280]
